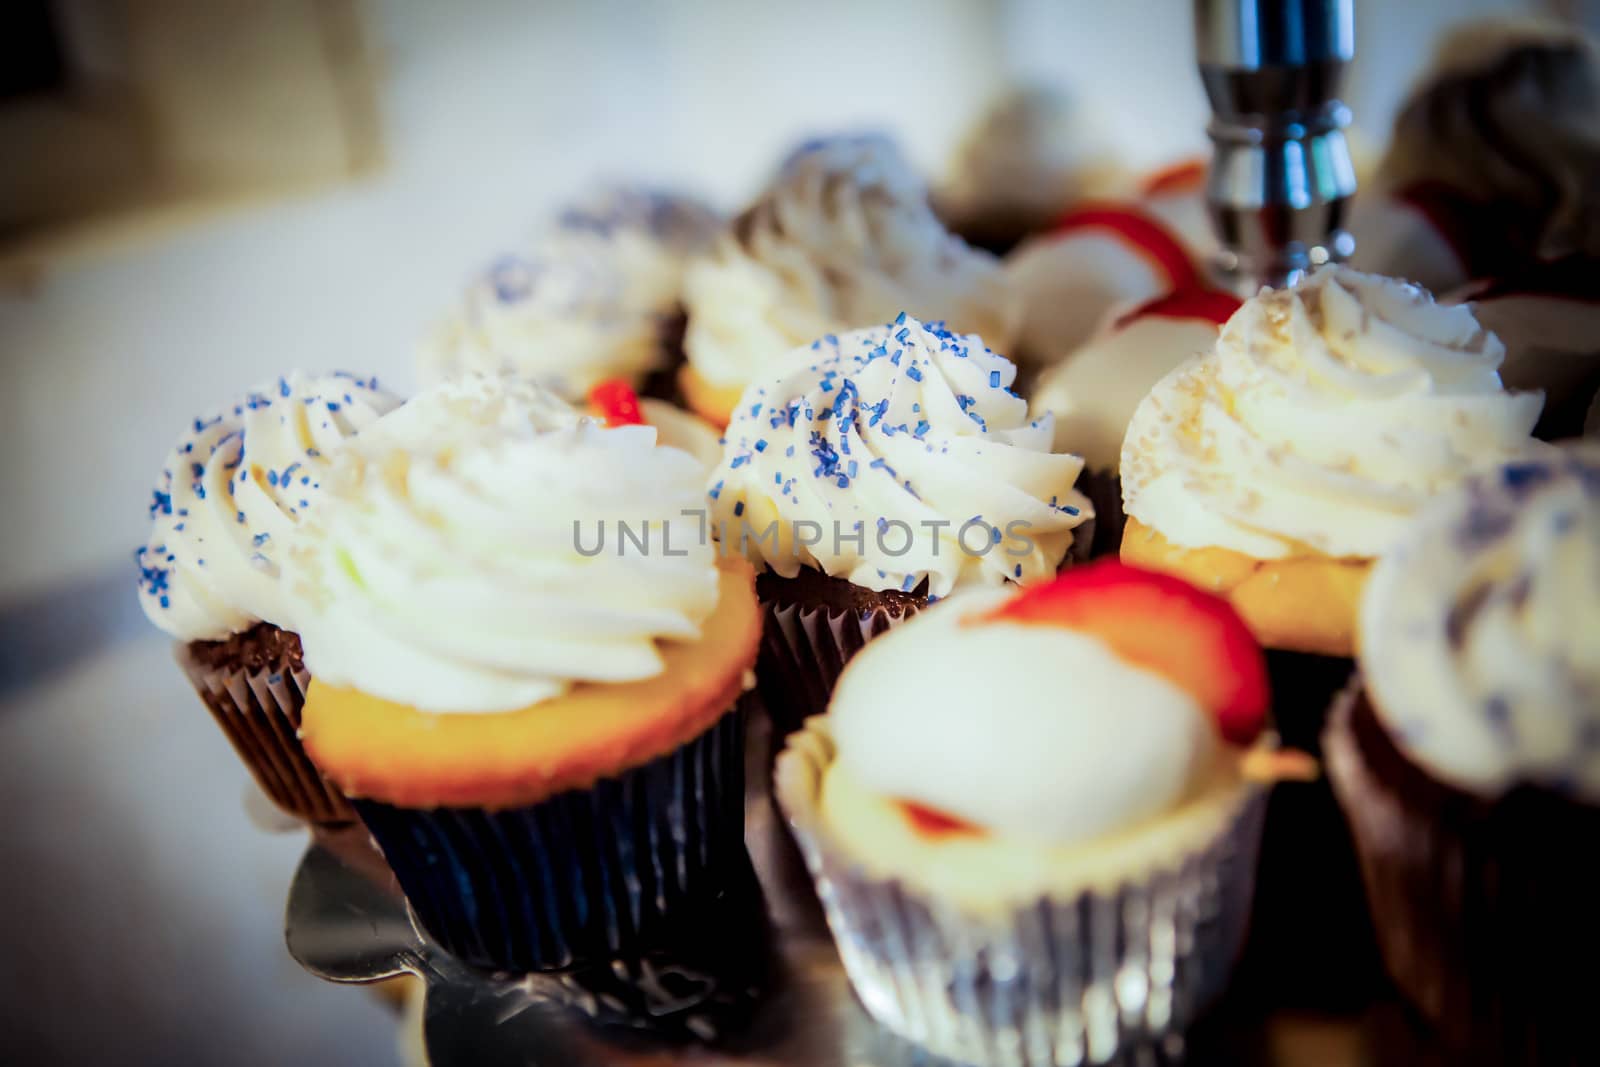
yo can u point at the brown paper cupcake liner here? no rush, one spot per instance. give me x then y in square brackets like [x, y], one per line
[259, 710]
[1085, 977]
[805, 649]
[1484, 909]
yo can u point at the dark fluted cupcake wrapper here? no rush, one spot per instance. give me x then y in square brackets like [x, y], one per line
[586, 875]
[1482, 907]
[259, 710]
[804, 650]
[1079, 978]
[1104, 531]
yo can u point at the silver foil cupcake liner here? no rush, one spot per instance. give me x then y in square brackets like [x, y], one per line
[1084, 978]
[803, 652]
[259, 711]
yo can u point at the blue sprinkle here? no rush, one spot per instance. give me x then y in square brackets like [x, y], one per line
[761, 445]
[1018, 571]
[789, 451]
[738, 509]
[738, 461]
[899, 320]
[716, 491]
[910, 583]
[260, 539]
[755, 409]
[913, 373]
[994, 379]
[166, 602]
[283, 387]
[922, 428]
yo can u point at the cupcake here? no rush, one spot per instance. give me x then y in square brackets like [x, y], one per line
[882, 469]
[1030, 157]
[231, 497]
[1494, 161]
[1275, 468]
[1100, 256]
[1548, 317]
[595, 294]
[526, 662]
[1467, 758]
[1016, 878]
[842, 238]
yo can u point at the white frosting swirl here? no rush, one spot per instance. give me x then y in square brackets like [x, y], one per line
[913, 721]
[906, 450]
[231, 495]
[479, 566]
[1325, 416]
[1480, 630]
[586, 299]
[843, 238]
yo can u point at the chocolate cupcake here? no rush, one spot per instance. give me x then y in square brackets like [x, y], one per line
[1494, 160]
[1467, 758]
[877, 471]
[594, 294]
[231, 497]
[842, 238]
[1033, 881]
[527, 669]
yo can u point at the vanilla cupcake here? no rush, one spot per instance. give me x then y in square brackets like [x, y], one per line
[596, 294]
[1467, 758]
[843, 238]
[231, 498]
[878, 470]
[527, 659]
[1015, 877]
[1275, 468]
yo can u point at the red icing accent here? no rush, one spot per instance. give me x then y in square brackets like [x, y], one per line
[1158, 621]
[1159, 247]
[615, 401]
[1185, 176]
[930, 822]
[1211, 305]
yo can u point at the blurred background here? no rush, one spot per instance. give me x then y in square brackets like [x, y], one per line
[198, 194]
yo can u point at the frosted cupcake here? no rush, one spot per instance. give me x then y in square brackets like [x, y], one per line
[1275, 468]
[884, 468]
[231, 497]
[526, 660]
[597, 294]
[843, 238]
[1494, 162]
[1467, 758]
[1016, 878]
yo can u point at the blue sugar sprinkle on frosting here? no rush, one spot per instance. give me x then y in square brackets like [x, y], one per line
[913, 373]
[738, 508]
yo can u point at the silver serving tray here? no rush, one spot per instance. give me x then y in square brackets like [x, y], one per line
[755, 982]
